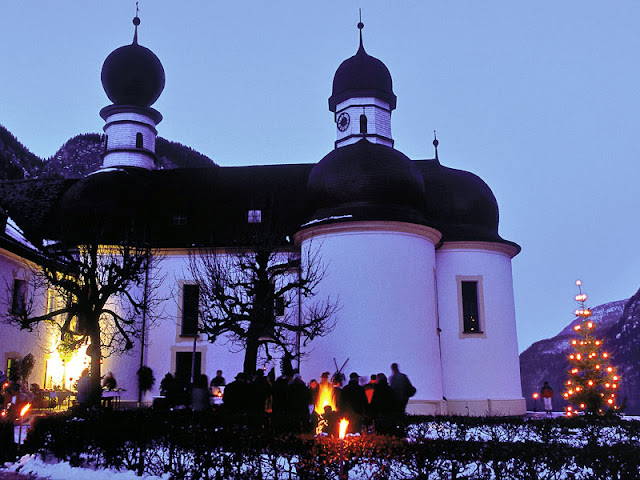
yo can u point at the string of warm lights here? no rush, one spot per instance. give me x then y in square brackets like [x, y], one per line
[592, 381]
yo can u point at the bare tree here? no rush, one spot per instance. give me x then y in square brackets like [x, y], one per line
[104, 292]
[262, 294]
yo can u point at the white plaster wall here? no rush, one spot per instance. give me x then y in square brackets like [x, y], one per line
[13, 340]
[475, 367]
[121, 130]
[378, 120]
[382, 275]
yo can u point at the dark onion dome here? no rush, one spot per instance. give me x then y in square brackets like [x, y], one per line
[366, 181]
[460, 204]
[110, 204]
[362, 76]
[133, 75]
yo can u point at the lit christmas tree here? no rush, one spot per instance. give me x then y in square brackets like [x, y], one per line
[593, 382]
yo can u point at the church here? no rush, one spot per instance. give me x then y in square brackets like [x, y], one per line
[411, 247]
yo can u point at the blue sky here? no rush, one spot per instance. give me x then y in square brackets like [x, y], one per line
[541, 99]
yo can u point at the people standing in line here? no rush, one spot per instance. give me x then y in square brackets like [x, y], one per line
[401, 386]
[547, 396]
[368, 388]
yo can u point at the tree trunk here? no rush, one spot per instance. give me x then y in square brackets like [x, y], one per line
[94, 370]
[251, 356]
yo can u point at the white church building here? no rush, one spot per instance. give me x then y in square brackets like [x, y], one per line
[412, 247]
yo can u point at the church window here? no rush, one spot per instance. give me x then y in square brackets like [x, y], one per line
[470, 312]
[363, 124]
[254, 216]
[184, 363]
[179, 219]
[19, 298]
[190, 304]
[139, 140]
[106, 143]
[471, 306]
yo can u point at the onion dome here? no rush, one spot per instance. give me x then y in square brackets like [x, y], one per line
[133, 74]
[366, 181]
[110, 204]
[460, 204]
[362, 76]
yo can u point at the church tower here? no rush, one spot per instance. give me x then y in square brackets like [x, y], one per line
[133, 79]
[362, 99]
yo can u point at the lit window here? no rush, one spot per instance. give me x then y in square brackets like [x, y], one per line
[190, 303]
[254, 216]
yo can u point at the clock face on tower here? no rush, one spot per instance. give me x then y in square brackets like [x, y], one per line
[343, 121]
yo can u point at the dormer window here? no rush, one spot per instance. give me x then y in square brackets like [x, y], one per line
[254, 216]
[139, 140]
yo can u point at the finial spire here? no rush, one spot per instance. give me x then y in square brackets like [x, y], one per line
[360, 27]
[435, 144]
[136, 22]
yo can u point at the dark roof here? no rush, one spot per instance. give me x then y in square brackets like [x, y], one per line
[459, 204]
[362, 76]
[133, 75]
[366, 181]
[209, 206]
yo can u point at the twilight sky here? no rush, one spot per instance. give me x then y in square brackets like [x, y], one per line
[541, 99]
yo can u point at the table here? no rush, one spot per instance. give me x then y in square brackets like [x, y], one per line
[110, 397]
[60, 396]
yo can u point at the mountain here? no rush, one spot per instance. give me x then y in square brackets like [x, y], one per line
[617, 325]
[80, 156]
[16, 161]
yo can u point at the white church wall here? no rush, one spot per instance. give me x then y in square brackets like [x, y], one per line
[382, 275]
[478, 367]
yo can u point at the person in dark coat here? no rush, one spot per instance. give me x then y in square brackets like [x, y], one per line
[259, 391]
[368, 388]
[236, 395]
[401, 386]
[383, 401]
[200, 394]
[298, 399]
[279, 395]
[353, 402]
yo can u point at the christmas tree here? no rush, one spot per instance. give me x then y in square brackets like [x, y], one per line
[593, 382]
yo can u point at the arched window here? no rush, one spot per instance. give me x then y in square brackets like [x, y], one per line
[363, 124]
[139, 143]
[106, 142]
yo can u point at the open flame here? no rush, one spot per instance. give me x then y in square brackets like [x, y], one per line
[344, 423]
[325, 397]
[25, 409]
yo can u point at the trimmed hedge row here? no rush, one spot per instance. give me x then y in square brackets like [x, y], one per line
[195, 445]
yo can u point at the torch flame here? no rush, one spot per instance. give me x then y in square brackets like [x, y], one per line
[344, 423]
[25, 409]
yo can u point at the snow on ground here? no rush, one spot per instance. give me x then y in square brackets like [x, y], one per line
[31, 465]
